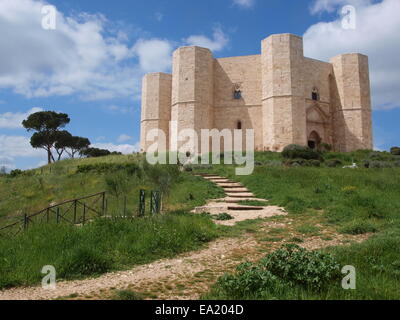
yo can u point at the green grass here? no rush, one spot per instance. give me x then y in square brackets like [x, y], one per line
[100, 246]
[377, 265]
[37, 189]
[127, 295]
[353, 202]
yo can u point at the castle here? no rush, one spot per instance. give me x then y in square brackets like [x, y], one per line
[285, 97]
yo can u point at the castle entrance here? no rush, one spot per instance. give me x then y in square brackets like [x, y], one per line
[314, 140]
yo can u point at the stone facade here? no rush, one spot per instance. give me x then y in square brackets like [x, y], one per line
[285, 97]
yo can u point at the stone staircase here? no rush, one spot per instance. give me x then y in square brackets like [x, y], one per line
[235, 192]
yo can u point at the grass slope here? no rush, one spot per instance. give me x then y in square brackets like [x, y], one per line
[354, 202]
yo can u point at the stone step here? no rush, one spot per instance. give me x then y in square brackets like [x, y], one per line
[230, 186]
[242, 195]
[244, 208]
[242, 190]
[236, 200]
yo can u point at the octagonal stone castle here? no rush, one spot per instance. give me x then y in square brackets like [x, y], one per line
[285, 97]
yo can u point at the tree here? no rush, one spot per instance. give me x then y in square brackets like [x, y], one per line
[76, 144]
[395, 151]
[47, 125]
[63, 140]
[96, 152]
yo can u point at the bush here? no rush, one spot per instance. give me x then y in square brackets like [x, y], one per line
[105, 167]
[251, 281]
[325, 147]
[16, 173]
[395, 151]
[285, 269]
[222, 216]
[314, 163]
[310, 269]
[294, 151]
[333, 163]
[84, 262]
[358, 227]
[380, 164]
[127, 295]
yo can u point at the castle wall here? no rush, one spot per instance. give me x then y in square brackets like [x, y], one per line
[245, 72]
[156, 106]
[283, 103]
[352, 117]
[276, 101]
[192, 91]
[316, 75]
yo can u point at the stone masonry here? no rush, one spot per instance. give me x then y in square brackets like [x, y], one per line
[285, 97]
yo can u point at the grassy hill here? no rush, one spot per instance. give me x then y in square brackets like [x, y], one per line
[317, 193]
[121, 176]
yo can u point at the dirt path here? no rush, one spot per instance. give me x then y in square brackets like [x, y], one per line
[191, 274]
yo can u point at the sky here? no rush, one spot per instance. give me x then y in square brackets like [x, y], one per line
[91, 65]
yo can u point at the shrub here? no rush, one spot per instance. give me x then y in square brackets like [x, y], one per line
[16, 173]
[84, 262]
[251, 280]
[285, 269]
[358, 227]
[333, 163]
[380, 164]
[311, 269]
[105, 167]
[325, 147]
[222, 216]
[395, 151]
[294, 151]
[127, 295]
[314, 163]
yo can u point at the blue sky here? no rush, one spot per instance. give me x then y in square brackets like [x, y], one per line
[91, 65]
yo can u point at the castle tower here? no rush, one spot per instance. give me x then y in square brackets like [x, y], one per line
[351, 102]
[156, 107]
[192, 91]
[283, 103]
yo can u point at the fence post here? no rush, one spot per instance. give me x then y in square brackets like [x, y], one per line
[48, 215]
[75, 204]
[142, 202]
[26, 221]
[124, 206]
[103, 204]
[58, 215]
[84, 214]
[152, 202]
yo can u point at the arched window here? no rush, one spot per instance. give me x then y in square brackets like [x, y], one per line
[237, 93]
[239, 125]
[315, 94]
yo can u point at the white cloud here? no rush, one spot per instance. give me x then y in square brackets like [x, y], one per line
[376, 35]
[80, 56]
[12, 147]
[217, 43]
[124, 138]
[18, 146]
[118, 109]
[244, 3]
[124, 148]
[331, 5]
[154, 54]
[7, 162]
[10, 120]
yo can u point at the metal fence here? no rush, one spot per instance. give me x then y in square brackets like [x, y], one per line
[79, 211]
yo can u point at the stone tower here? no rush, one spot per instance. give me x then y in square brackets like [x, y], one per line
[283, 103]
[156, 106]
[192, 91]
[351, 101]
